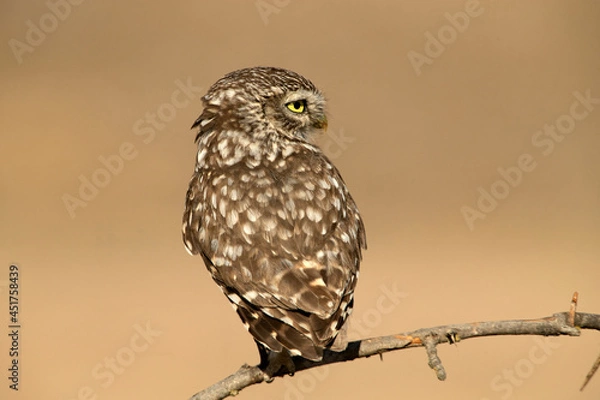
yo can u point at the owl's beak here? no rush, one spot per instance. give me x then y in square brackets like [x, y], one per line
[321, 122]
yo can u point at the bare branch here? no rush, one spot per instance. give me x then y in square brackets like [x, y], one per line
[566, 323]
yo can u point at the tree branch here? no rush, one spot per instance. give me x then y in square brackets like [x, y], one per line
[566, 323]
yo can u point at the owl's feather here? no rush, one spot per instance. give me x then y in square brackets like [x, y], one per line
[270, 214]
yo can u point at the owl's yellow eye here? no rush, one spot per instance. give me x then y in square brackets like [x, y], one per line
[297, 106]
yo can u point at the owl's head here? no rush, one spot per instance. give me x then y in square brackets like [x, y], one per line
[263, 101]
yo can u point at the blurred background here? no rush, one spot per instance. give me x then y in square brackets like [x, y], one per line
[468, 133]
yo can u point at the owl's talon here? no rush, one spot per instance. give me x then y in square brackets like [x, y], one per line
[275, 364]
[268, 378]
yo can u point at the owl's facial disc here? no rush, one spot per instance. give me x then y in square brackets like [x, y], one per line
[303, 113]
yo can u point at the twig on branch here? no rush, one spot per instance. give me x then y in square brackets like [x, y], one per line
[566, 323]
[591, 373]
[573, 309]
[434, 361]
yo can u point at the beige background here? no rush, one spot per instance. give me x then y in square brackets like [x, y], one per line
[418, 149]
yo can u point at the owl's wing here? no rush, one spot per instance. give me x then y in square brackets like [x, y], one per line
[284, 243]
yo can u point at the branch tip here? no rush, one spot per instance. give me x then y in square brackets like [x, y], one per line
[591, 373]
[573, 309]
[434, 360]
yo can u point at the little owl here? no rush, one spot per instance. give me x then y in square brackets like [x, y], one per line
[271, 215]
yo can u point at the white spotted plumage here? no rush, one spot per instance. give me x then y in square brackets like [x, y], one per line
[270, 214]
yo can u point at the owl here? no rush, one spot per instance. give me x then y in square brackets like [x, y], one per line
[271, 215]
